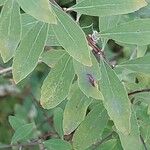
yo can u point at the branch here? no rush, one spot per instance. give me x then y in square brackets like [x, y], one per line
[5, 70]
[138, 91]
[145, 147]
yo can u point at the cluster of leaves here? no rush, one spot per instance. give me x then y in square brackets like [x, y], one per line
[97, 99]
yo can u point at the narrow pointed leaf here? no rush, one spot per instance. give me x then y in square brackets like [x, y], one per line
[10, 29]
[75, 111]
[116, 99]
[108, 7]
[88, 78]
[91, 129]
[39, 9]
[132, 141]
[57, 84]
[132, 32]
[29, 50]
[71, 37]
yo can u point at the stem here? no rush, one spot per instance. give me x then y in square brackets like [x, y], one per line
[5, 70]
[145, 147]
[138, 91]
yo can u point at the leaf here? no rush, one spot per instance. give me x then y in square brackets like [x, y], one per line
[116, 99]
[85, 73]
[108, 22]
[57, 84]
[29, 50]
[132, 141]
[51, 38]
[71, 37]
[108, 7]
[132, 32]
[57, 144]
[28, 22]
[41, 10]
[91, 129]
[111, 144]
[141, 51]
[10, 29]
[2, 2]
[22, 132]
[58, 121]
[141, 64]
[52, 57]
[16, 122]
[75, 111]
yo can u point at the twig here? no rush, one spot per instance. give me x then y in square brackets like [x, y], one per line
[145, 147]
[5, 70]
[138, 91]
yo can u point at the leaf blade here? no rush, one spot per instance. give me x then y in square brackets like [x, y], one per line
[116, 100]
[10, 29]
[29, 50]
[40, 10]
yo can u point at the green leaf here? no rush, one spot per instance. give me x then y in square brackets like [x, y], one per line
[71, 37]
[132, 141]
[51, 38]
[57, 84]
[40, 10]
[58, 121]
[91, 129]
[141, 64]
[22, 133]
[116, 99]
[2, 2]
[16, 122]
[88, 78]
[52, 57]
[57, 144]
[132, 32]
[75, 111]
[108, 7]
[28, 22]
[10, 29]
[141, 50]
[108, 22]
[111, 144]
[29, 50]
